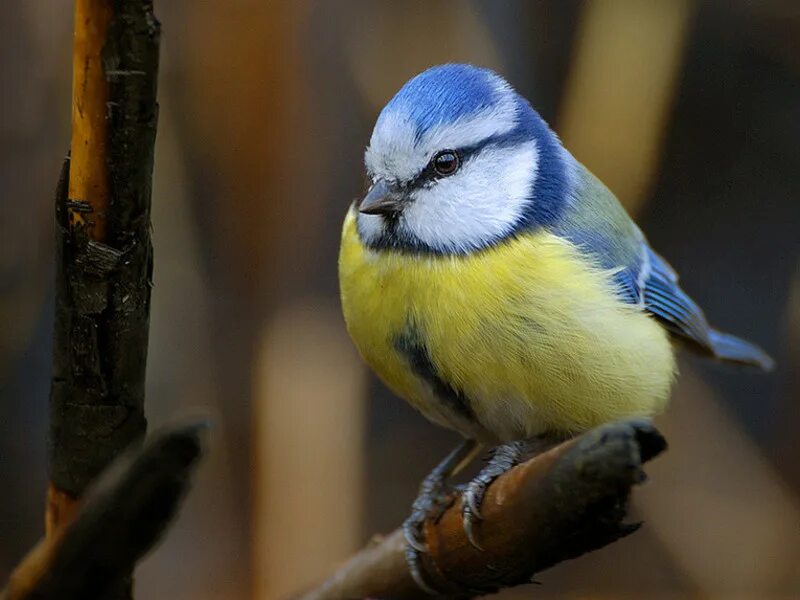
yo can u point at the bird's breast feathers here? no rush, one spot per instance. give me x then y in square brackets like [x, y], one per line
[518, 339]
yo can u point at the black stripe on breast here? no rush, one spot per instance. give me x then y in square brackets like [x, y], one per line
[416, 353]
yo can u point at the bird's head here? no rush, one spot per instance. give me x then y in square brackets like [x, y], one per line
[459, 161]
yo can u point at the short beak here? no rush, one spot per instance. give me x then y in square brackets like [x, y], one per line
[382, 199]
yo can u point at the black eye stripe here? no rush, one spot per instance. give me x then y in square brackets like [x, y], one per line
[428, 175]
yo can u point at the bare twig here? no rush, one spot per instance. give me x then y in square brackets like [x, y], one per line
[122, 516]
[559, 505]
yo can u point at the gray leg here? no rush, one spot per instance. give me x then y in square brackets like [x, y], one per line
[431, 497]
[503, 458]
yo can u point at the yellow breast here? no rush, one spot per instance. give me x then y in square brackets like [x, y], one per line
[532, 335]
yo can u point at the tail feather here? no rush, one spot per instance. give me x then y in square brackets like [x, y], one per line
[731, 348]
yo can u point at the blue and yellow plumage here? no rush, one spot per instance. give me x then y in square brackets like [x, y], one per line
[498, 286]
[559, 323]
[531, 337]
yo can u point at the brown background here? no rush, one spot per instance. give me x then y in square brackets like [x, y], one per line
[689, 110]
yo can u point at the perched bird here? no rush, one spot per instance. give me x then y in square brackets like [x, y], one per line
[498, 286]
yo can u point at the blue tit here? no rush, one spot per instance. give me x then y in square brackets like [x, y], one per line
[498, 286]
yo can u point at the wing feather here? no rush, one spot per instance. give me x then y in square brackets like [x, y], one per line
[598, 225]
[664, 298]
[666, 301]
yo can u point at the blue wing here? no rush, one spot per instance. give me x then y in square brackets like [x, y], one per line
[597, 224]
[653, 283]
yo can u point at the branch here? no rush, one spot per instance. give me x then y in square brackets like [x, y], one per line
[122, 516]
[558, 505]
[104, 255]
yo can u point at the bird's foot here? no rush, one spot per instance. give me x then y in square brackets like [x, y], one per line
[502, 459]
[431, 499]
[434, 493]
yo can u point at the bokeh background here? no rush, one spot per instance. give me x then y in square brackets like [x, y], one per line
[689, 110]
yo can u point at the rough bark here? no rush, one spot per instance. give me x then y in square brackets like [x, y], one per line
[104, 254]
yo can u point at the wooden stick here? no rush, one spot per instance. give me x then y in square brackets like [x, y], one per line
[104, 255]
[558, 505]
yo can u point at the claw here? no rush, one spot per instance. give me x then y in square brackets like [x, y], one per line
[469, 530]
[504, 458]
[410, 533]
[470, 511]
[473, 497]
[432, 497]
[415, 568]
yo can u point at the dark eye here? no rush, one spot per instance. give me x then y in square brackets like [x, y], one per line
[446, 162]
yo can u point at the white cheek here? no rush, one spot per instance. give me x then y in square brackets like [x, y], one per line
[479, 204]
[370, 227]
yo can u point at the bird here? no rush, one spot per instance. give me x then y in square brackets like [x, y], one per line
[498, 286]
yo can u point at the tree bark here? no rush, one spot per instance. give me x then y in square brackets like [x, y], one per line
[104, 254]
[103, 251]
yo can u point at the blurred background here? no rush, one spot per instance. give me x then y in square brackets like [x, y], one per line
[689, 110]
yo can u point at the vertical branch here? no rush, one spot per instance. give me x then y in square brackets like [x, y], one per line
[88, 178]
[85, 179]
[104, 263]
[104, 254]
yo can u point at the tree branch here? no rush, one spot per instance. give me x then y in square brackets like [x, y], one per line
[558, 505]
[103, 242]
[104, 255]
[122, 516]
